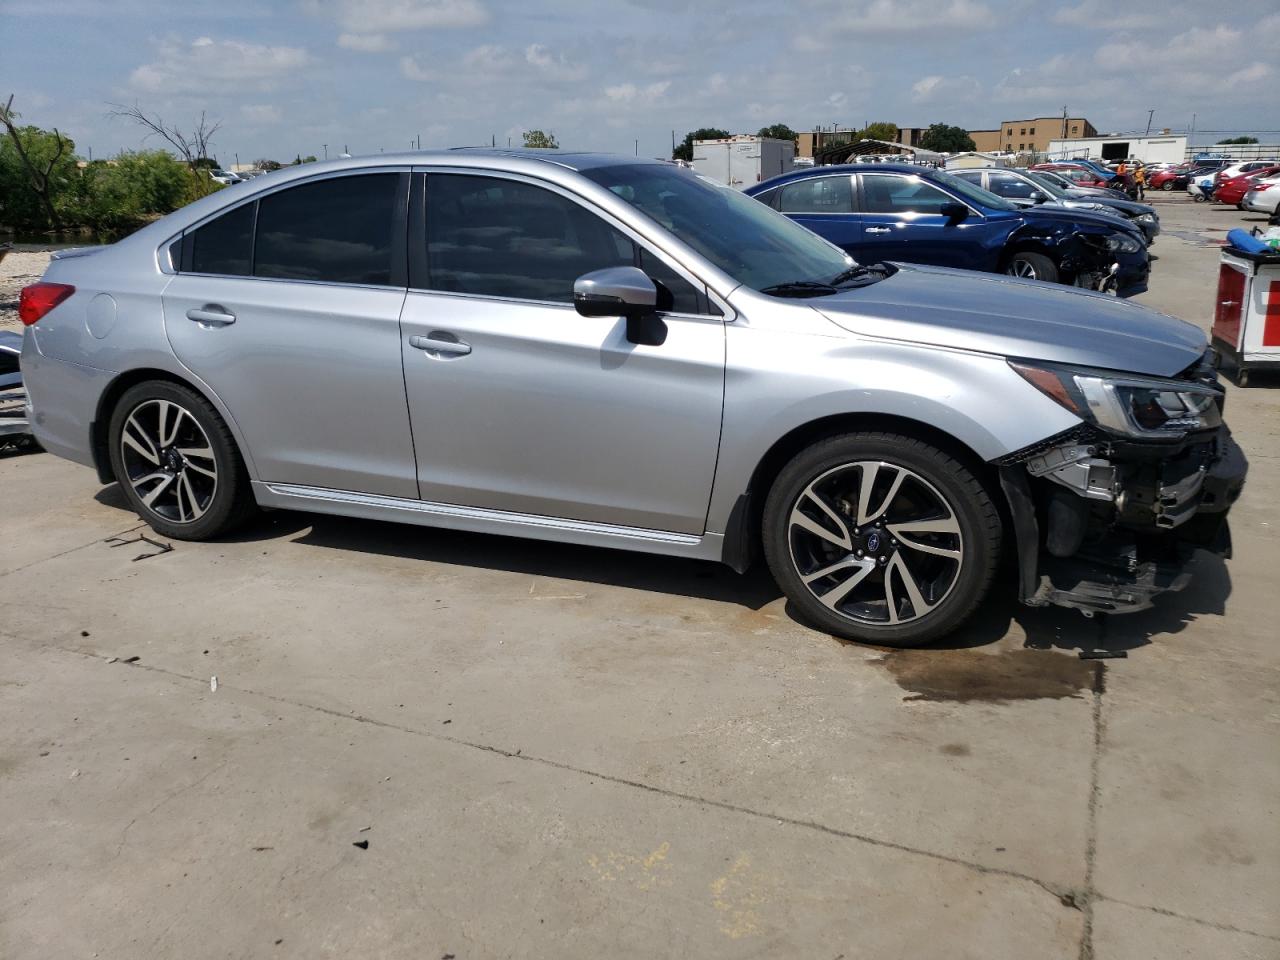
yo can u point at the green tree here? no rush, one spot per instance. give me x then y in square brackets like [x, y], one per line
[37, 167]
[880, 130]
[685, 150]
[540, 140]
[1239, 140]
[777, 131]
[943, 138]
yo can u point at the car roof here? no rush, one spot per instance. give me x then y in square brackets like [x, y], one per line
[808, 173]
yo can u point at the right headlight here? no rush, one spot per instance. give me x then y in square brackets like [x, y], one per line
[1122, 243]
[1142, 407]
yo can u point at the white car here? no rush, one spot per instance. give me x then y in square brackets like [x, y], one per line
[225, 177]
[1245, 166]
[1201, 187]
[1264, 196]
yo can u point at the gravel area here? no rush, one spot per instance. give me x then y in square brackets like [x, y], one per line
[16, 271]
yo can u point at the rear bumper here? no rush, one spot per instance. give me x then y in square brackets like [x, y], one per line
[62, 399]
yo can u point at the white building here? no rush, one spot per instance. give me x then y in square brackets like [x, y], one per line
[1158, 148]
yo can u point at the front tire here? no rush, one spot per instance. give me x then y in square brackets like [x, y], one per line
[1032, 266]
[881, 538]
[177, 462]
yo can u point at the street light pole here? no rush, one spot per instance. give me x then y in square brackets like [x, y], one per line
[1150, 113]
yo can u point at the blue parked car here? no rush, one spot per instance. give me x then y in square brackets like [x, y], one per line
[893, 211]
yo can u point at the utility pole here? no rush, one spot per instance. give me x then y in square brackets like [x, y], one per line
[326, 150]
[637, 148]
[237, 156]
[419, 141]
[1150, 113]
[1064, 121]
[673, 144]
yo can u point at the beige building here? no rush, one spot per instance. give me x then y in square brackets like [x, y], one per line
[1013, 136]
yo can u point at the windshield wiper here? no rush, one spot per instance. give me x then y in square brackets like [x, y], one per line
[872, 273]
[799, 288]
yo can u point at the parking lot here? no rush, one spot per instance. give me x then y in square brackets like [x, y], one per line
[431, 744]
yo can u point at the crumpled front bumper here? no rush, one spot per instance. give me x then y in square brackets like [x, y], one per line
[1105, 526]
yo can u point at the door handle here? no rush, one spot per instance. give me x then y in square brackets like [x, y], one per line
[213, 314]
[877, 229]
[434, 344]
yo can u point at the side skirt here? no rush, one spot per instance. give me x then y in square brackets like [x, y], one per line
[346, 503]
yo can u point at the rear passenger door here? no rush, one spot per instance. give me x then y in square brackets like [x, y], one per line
[288, 308]
[825, 206]
[518, 402]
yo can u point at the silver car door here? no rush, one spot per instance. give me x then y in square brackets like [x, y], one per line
[520, 404]
[288, 308]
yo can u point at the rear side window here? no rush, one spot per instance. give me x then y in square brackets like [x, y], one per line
[336, 230]
[817, 195]
[1010, 187]
[224, 245]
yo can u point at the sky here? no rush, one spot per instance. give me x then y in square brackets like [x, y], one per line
[288, 77]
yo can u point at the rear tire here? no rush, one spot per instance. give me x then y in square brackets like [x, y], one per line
[881, 538]
[177, 463]
[1032, 266]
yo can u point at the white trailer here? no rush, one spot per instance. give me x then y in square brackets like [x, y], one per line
[742, 161]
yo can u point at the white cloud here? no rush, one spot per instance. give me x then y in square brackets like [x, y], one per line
[410, 69]
[630, 93]
[260, 113]
[366, 42]
[205, 64]
[907, 16]
[937, 88]
[391, 16]
[553, 65]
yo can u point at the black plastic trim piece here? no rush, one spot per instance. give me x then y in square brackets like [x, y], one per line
[1026, 529]
[739, 550]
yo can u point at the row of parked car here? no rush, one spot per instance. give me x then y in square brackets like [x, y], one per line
[1252, 185]
[1034, 224]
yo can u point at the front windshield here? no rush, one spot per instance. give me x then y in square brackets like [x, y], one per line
[973, 194]
[1046, 184]
[750, 242]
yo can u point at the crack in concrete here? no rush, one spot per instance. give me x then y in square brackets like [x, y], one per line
[1077, 899]
[1090, 892]
[83, 546]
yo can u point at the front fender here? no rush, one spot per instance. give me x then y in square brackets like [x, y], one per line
[974, 398]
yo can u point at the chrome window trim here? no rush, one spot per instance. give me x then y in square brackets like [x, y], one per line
[728, 315]
[162, 248]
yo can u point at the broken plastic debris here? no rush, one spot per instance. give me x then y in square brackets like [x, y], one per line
[213, 684]
[362, 844]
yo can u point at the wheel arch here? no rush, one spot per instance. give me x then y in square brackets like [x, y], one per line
[100, 427]
[742, 539]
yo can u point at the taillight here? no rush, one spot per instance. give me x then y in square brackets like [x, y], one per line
[39, 298]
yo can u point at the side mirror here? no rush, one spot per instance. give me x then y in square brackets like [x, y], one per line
[1038, 197]
[622, 292]
[954, 212]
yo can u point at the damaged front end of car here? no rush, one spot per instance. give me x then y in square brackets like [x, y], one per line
[1107, 514]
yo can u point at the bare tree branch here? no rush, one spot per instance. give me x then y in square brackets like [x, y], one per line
[39, 178]
[192, 146]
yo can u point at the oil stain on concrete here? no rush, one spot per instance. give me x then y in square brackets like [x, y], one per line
[971, 676]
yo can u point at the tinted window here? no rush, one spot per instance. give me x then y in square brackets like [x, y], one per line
[817, 195]
[510, 239]
[223, 245]
[1008, 186]
[337, 230]
[675, 294]
[891, 193]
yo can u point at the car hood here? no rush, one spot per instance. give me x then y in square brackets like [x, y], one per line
[1131, 207]
[965, 310]
[1081, 218]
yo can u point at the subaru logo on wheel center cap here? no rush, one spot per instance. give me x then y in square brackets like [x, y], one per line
[873, 542]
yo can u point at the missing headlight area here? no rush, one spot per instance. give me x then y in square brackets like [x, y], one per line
[1104, 525]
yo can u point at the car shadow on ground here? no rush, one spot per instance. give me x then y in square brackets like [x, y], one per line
[1044, 628]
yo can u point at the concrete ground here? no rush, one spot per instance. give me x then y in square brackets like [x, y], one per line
[562, 752]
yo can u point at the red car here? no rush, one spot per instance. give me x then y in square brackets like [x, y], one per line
[1077, 173]
[1233, 190]
[1174, 178]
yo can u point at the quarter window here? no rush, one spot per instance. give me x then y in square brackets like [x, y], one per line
[890, 193]
[336, 230]
[506, 238]
[817, 195]
[1008, 186]
[224, 245]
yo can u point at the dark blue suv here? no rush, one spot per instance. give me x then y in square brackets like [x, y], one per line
[893, 211]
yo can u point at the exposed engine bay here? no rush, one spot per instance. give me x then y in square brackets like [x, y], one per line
[1105, 520]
